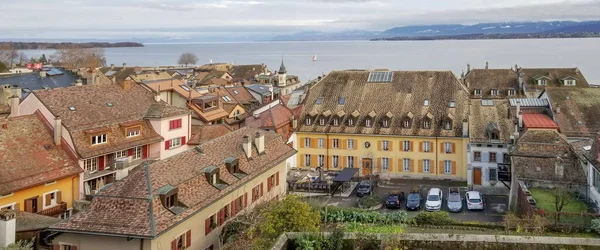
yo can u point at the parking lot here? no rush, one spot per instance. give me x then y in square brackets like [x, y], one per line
[495, 204]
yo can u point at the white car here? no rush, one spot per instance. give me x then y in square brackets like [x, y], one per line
[474, 200]
[434, 200]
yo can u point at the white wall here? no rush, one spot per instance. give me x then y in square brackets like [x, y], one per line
[93, 242]
[484, 164]
[292, 161]
[266, 107]
[7, 232]
[161, 126]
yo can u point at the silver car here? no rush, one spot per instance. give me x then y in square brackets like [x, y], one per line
[454, 201]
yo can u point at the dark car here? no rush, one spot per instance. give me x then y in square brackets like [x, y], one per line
[364, 188]
[413, 200]
[394, 200]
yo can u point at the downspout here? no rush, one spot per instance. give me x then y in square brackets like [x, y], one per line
[73, 191]
[436, 158]
[141, 244]
[327, 148]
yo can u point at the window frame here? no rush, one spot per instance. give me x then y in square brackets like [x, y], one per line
[307, 160]
[448, 125]
[175, 124]
[172, 143]
[307, 121]
[385, 145]
[447, 167]
[426, 166]
[321, 160]
[322, 121]
[475, 155]
[335, 143]
[426, 146]
[406, 164]
[350, 143]
[99, 139]
[495, 156]
[321, 143]
[122, 154]
[350, 161]
[138, 152]
[307, 142]
[385, 163]
[368, 122]
[335, 161]
[495, 175]
[477, 92]
[426, 124]
[90, 164]
[406, 146]
[53, 199]
[448, 148]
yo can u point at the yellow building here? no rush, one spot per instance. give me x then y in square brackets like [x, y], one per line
[38, 175]
[182, 202]
[400, 124]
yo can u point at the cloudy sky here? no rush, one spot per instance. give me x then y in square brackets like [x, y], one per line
[110, 19]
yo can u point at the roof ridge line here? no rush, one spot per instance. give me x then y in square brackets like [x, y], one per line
[151, 209]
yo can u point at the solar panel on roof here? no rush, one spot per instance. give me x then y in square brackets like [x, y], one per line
[110, 73]
[380, 76]
[185, 87]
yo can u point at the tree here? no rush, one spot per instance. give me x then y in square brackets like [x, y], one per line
[8, 54]
[289, 215]
[22, 58]
[187, 58]
[73, 57]
[43, 59]
[21, 245]
[3, 67]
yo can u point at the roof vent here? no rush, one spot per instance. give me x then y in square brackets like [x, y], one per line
[72, 108]
[567, 97]
[48, 146]
[109, 104]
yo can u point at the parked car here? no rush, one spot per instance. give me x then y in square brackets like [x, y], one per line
[413, 200]
[474, 200]
[454, 201]
[364, 188]
[394, 199]
[434, 200]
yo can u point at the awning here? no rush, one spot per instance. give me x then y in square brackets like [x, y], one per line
[346, 174]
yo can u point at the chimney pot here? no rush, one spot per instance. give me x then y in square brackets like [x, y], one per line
[259, 141]
[520, 116]
[486, 65]
[247, 146]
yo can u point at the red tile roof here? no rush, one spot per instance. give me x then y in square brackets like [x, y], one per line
[274, 117]
[132, 208]
[28, 155]
[538, 121]
[204, 133]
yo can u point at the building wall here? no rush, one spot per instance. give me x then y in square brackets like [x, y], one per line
[395, 154]
[96, 242]
[237, 108]
[162, 127]
[68, 186]
[594, 183]
[484, 164]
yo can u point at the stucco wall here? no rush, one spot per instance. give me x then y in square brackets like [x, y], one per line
[484, 163]
[161, 126]
[95, 242]
[69, 188]
[395, 154]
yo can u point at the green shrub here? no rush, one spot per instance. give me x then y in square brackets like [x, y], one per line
[340, 215]
[356, 227]
[369, 201]
[596, 225]
[434, 218]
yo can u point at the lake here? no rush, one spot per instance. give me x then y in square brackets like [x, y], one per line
[394, 55]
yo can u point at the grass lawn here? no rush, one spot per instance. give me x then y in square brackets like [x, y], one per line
[545, 200]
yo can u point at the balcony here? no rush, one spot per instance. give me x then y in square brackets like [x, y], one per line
[54, 211]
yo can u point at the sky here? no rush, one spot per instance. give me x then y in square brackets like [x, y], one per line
[182, 19]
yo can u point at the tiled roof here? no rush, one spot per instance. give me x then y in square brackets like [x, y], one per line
[178, 86]
[536, 153]
[259, 89]
[132, 207]
[538, 121]
[487, 79]
[208, 116]
[554, 75]
[482, 118]
[586, 150]
[403, 97]
[204, 133]
[247, 71]
[118, 73]
[150, 76]
[241, 94]
[28, 155]
[204, 77]
[33, 222]
[274, 117]
[579, 110]
[106, 106]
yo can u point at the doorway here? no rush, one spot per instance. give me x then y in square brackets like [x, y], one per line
[476, 176]
[31, 204]
[367, 166]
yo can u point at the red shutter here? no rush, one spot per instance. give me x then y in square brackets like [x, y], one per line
[245, 200]
[188, 238]
[167, 144]
[171, 125]
[130, 152]
[174, 245]
[101, 163]
[269, 183]
[179, 123]
[183, 140]
[145, 152]
[277, 179]
[207, 226]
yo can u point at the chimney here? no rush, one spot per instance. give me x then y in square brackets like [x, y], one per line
[114, 79]
[259, 141]
[57, 130]
[465, 128]
[486, 65]
[256, 115]
[468, 68]
[294, 121]
[557, 109]
[521, 80]
[576, 70]
[518, 107]
[247, 145]
[112, 66]
[520, 116]
[157, 97]
[8, 227]
[43, 74]
[126, 84]
[124, 65]
[78, 82]
[14, 106]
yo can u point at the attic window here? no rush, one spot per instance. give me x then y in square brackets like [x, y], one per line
[511, 92]
[336, 121]
[342, 101]
[494, 136]
[426, 102]
[109, 104]
[368, 122]
[541, 82]
[386, 123]
[452, 104]
[212, 174]
[168, 197]
[477, 92]
[319, 100]
[307, 121]
[232, 165]
[350, 122]
[447, 124]
[494, 92]
[406, 123]
[426, 123]
[72, 108]
[322, 121]
[569, 82]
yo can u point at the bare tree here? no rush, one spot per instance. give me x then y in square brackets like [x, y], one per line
[22, 58]
[8, 54]
[75, 57]
[187, 58]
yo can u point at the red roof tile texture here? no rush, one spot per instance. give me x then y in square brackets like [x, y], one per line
[538, 121]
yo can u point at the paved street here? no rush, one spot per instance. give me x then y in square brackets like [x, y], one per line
[495, 204]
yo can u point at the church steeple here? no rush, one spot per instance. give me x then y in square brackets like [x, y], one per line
[282, 69]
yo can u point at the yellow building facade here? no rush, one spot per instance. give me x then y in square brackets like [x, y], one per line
[45, 197]
[394, 156]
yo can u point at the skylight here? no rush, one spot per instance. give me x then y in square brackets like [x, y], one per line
[380, 76]
[487, 102]
[185, 87]
[72, 108]
[426, 102]
[319, 100]
[226, 98]
[342, 101]
[109, 104]
[235, 92]
[452, 104]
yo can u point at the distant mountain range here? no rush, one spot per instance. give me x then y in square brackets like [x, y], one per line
[449, 30]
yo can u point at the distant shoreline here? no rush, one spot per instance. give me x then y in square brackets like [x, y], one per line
[47, 45]
[492, 36]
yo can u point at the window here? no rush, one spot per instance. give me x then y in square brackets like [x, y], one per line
[385, 163]
[426, 123]
[321, 143]
[500, 146]
[67, 247]
[350, 161]
[8, 207]
[90, 165]
[492, 156]
[350, 143]
[121, 154]
[307, 121]
[368, 122]
[426, 102]
[406, 164]
[426, 166]
[494, 92]
[494, 136]
[319, 100]
[511, 92]
[448, 147]
[336, 143]
[335, 161]
[541, 82]
[477, 92]
[406, 146]
[476, 156]
[307, 160]
[132, 132]
[175, 142]
[336, 122]
[447, 167]
[448, 125]
[505, 157]
[170, 201]
[342, 101]
[385, 145]
[99, 139]
[426, 146]
[137, 152]
[182, 242]
[452, 104]
[493, 174]
[321, 160]
[386, 123]
[307, 142]
[350, 122]
[50, 199]
[570, 82]
[174, 124]
[406, 123]
[322, 121]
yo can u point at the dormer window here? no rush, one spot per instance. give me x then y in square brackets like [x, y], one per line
[133, 131]
[386, 123]
[336, 121]
[569, 81]
[541, 82]
[406, 123]
[368, 122]
[233, 167]
[477, 92]
[492, 131]
[350, 122]
[511, 92]
[447, 124]
[426, 123]
[452, 104]
[494, 92]
[319, 100]
[169, 198]
[213, 174]
[307, 121]
[322, 121]
[426, 102]
[99, 139]
[494, 136]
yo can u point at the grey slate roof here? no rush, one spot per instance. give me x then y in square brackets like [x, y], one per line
[33, 81]
[259, 89]
[529, 102]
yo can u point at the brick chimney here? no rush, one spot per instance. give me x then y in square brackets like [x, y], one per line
[557, 109]
[247, 146]
[259, 142]
[465, 128]
[8, 228]
[57, 130]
